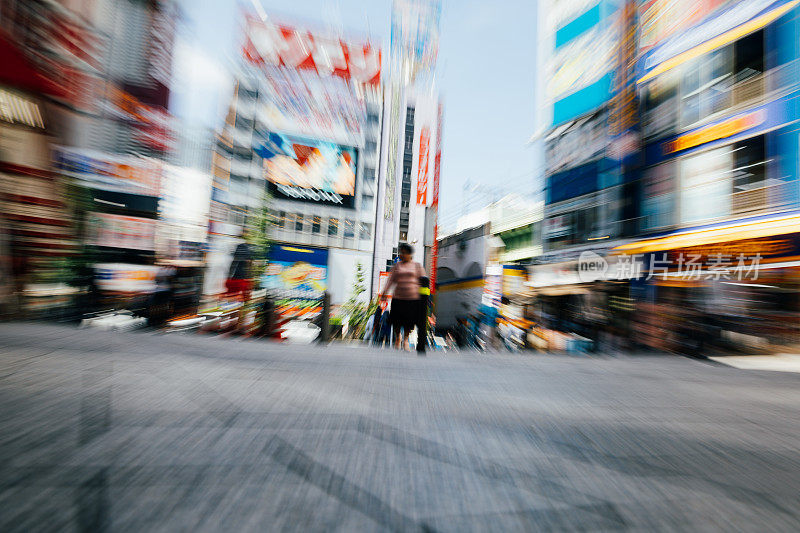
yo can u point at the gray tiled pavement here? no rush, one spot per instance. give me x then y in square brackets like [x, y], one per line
[140, 432]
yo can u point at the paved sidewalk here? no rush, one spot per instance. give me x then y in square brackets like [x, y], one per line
[782, 362]
[104, 431]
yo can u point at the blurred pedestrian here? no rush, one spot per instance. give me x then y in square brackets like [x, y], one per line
[376, 320]
[424, 311]
[404, 278]
[239, 283]
[385, 329]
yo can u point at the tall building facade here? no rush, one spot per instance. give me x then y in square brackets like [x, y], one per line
[672, 146]
[108, 64]
[408, 182]
[303, 138]
[412, 142]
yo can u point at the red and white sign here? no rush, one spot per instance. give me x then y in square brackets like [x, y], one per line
[117, 231]
[422, 166]
[383, 279]
[437, 164]
[272, 44]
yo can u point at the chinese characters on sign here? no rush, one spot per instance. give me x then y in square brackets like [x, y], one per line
[686, 266]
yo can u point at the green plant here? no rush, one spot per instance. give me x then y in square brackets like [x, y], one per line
[356, 309]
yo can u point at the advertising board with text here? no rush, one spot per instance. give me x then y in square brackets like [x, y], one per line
[300, 102]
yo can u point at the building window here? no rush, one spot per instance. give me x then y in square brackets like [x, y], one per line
[281, 219]
[367, 202]
[366, 230]
[369, 174]
[349, 229]
[315, 224]
[403, 236]
[290, 218]
[333, 227]
[372, 118]
[370, 147]
[298, 224]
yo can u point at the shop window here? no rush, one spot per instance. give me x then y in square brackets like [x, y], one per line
[749, 175]
[660, 115]
[658, 198]
[706, 85]
[705, 192]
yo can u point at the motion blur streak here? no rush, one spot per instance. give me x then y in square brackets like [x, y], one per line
[220, 241]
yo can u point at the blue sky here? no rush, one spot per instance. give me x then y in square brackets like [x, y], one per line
[486, 74]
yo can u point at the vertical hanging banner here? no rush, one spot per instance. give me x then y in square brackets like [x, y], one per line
[437, 164]
[422, 166]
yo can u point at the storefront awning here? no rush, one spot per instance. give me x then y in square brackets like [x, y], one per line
[735, 231]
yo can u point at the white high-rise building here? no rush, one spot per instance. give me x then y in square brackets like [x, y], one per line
[408, 177]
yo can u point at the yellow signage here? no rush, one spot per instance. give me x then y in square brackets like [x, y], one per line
[727, 128]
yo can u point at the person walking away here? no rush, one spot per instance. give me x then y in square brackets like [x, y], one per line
[404, 279]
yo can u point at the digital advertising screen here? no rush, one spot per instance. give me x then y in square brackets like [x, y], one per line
[313, 171]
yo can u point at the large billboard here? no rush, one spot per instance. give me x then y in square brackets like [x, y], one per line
[581, 69]
[313, 171]
[300, 102]
[268, 43]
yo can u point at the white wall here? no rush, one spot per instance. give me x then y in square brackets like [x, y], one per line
[342, 271]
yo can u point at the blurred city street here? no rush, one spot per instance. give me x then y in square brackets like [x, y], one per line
[143, 432]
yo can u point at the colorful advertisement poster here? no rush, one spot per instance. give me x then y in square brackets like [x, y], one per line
[313, 171]
[136, 175]
[296, 272]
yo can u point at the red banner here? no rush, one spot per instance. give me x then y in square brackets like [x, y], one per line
[437, 164]
[422, 165]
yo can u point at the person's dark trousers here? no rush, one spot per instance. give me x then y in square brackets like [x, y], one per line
[422, 324]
